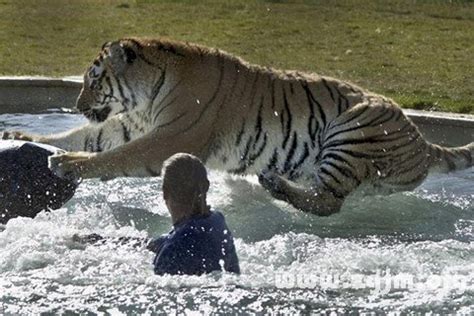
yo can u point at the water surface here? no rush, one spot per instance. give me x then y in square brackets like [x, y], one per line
[291, 262]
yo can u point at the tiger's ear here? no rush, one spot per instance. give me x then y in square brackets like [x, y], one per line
[129, 54]
[106, 44]
[121, 54]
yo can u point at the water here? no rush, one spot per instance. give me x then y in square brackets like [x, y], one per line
[291, 262]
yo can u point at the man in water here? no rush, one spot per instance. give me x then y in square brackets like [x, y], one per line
[200, 241]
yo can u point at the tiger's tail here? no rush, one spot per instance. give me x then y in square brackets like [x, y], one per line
[444, 159]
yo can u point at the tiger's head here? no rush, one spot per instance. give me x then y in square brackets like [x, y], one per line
[120, 79]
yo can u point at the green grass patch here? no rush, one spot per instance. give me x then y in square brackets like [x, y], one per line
[421, 53]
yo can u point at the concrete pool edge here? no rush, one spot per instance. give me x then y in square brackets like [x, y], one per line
[35, 94]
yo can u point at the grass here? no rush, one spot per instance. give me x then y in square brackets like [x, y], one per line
[421, 53]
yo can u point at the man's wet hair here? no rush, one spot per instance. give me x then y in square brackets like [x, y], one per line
[185, 181]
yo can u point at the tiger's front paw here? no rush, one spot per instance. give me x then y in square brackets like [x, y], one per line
[19, 136]
[71, 165]
[274, 184]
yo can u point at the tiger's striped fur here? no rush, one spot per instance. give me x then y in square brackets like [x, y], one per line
[312, 139]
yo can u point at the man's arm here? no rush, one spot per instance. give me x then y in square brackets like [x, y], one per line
[96, 239]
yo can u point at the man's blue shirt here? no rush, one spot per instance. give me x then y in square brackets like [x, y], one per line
[198, 245]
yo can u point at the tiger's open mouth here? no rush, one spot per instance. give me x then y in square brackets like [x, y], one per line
[99, 115]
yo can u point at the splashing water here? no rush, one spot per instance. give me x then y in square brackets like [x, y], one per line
[408, 252]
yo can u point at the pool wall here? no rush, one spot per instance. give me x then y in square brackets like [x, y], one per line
[36, 94]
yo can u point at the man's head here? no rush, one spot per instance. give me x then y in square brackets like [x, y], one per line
[185, 185]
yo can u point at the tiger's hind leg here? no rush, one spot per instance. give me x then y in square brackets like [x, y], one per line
[372, 143]
[387, 150]
[313, 200]
[330, 186]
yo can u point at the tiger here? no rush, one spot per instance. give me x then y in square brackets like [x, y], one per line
[312, 140]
